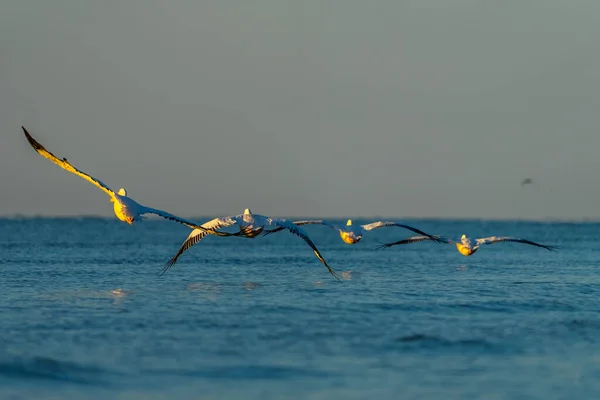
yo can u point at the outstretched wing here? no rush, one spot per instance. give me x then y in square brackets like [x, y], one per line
[64, 164]
[499, 239]
[300, 223]
[204, 227]
[414, 239]
[166, 215]
[381, 224]
[197, 235]
[296, 230]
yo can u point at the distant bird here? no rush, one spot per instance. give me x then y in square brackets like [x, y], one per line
[467, 246]
[526, 181]
[251, 225]
[352, 234]
[126, 209]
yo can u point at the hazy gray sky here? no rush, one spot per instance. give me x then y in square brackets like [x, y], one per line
[323, 108]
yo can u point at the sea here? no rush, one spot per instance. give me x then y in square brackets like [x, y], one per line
[85, 313]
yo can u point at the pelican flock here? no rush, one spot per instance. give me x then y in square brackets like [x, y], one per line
[467, 246]
[254, 225]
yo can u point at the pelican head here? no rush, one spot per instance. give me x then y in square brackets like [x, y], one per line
[122, 192]
[349, 223]
[463, 236]
[247, 211]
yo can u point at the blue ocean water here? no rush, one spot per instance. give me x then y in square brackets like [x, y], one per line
[84, 314]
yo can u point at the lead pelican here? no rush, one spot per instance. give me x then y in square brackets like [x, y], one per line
[352, 234]
[251, 225]
[126, 209]
[467, 246]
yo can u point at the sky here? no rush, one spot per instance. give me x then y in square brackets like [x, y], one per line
[342, 108]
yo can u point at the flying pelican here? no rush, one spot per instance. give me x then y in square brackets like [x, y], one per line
[251, 225]
[352, 234]
[126, 209]
[467, 246]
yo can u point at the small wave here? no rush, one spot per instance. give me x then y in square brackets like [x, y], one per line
[432, 340]
[250, 372]
[578, 325]
[415, 338]
[46, 368]
[252, 285]
[583, 323]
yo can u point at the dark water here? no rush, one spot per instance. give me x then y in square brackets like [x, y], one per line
[84, 314]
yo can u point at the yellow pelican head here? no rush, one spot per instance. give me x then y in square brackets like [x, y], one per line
[247, 211]
[349, 223]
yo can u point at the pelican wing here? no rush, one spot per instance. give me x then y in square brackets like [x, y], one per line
[296, 230]
[64, 164]
[197, 235]
[166, 215]
[213, 230]
[499, 239]
[300, 223]
[381, 224]
[415, 239]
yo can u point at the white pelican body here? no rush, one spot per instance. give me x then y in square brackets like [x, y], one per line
[124, 206]
[467, 246]
[126, 209]
[351, 233]
[251, 225]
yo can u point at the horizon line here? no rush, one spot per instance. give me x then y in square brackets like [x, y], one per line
[20, 216]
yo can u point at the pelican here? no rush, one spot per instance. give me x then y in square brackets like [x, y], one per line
[126, 209]
[251, 225]
[467, 246]
[352, 234]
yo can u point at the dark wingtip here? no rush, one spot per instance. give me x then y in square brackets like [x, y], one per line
[34, 143]
[382, 245]
[27, 135]
[332, 272]
[167, 267]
